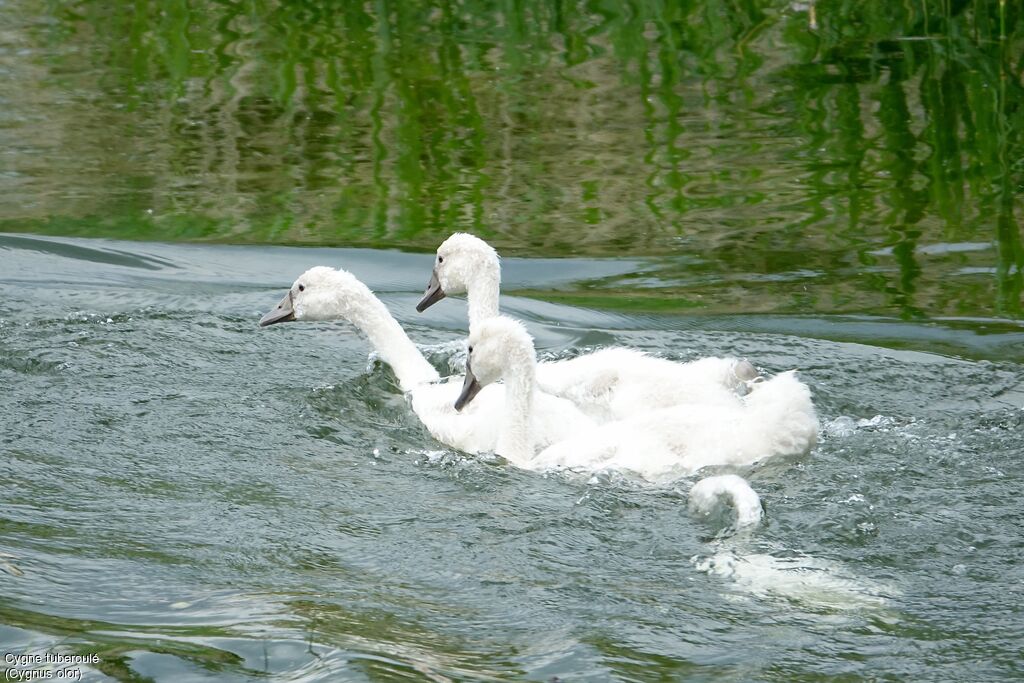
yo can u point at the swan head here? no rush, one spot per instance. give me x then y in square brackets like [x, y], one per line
[461, 260]
[497, 348]
[321, 293]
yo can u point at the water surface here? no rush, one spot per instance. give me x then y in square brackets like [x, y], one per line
[829, 186]
[829, 156]
[193, 498]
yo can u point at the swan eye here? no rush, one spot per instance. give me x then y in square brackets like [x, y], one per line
[440, 259]
[302, 288]
[471, 349]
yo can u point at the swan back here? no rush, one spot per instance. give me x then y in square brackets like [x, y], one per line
[782, 415]
[777, 418]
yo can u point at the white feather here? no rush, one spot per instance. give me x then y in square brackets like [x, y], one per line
[776, 418]
[323, 293]
[608, 384]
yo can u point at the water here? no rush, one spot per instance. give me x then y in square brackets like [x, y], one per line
[828, 186]
[194, 498]
[863, 159]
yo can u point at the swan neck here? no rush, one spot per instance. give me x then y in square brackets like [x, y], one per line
[482, 297]
[514, 441]
[391, 343]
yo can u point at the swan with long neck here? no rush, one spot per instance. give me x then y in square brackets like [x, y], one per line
[322, 293]
[776, 418]
[608, 384]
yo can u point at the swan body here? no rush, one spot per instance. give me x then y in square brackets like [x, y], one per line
[323, 293]
[609, 384]
[478, 431]
[617, 383]
[776, 418]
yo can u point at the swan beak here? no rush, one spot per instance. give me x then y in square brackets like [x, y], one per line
[432, 295]
[470, 388]
[283, 313]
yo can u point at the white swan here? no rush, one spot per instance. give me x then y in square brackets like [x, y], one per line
[323, 293]
[775, 418]
[607, 384]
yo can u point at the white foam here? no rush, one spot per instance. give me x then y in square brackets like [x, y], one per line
[805, 580]
[841, 427]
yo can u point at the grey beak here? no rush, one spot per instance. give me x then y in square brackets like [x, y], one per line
[282, 314]
[432, 295]
[470, 388]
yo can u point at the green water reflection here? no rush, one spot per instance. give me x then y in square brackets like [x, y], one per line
[771, 156]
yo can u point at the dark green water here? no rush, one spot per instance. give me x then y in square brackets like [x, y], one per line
[834, 187]
[863, 158]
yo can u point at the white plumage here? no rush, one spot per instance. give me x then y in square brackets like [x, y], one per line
[608, 384]
[776, 418]
[534, 430]
[323, 293]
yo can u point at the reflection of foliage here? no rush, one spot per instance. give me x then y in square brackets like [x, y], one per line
[734, 129]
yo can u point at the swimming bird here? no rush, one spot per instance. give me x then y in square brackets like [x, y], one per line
[323, 293]
[607, 384]
[776, 418]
